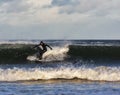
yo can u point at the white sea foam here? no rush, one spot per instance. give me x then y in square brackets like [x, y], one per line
[57, 54]
[98, 73]
[19, 42]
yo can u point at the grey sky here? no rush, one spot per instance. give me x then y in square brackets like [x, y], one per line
[59, 19]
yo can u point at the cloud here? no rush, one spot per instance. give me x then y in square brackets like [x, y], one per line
[28, 12]
[4, 1]
[64, 2]
[18, 12]
[13, 6]
[47, 19]
[98, 8]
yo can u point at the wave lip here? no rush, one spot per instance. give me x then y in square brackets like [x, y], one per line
[93, 74]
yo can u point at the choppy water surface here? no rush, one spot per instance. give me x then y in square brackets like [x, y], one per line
[71, 68]
[63, 87]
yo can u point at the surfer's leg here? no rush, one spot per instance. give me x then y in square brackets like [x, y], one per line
[40, 55]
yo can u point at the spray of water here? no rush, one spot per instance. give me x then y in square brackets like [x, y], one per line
[57, 54]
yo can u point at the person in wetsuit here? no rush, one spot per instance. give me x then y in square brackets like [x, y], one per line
[42, 48]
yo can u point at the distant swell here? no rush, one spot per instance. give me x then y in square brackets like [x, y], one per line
[19, 52]
[101, 73]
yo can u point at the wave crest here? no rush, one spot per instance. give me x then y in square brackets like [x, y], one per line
[57, 54]
[95, 74]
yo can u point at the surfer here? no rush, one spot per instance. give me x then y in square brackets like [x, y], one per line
[42, 48]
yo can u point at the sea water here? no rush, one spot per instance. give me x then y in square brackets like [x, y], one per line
[74, 68]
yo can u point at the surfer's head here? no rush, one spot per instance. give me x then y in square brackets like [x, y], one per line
[41, 42]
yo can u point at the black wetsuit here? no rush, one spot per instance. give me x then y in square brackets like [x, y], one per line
[42, 50]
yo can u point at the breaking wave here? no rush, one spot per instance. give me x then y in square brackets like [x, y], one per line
[101, 73]
[57, 54]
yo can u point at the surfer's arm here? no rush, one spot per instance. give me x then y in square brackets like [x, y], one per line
[35, 46]
[49, 46]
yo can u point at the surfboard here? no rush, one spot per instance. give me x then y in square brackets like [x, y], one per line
[40, 61]
[35, 59]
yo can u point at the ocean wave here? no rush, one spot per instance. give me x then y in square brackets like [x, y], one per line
[20, 52]
[101, 73]
[94, 51]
